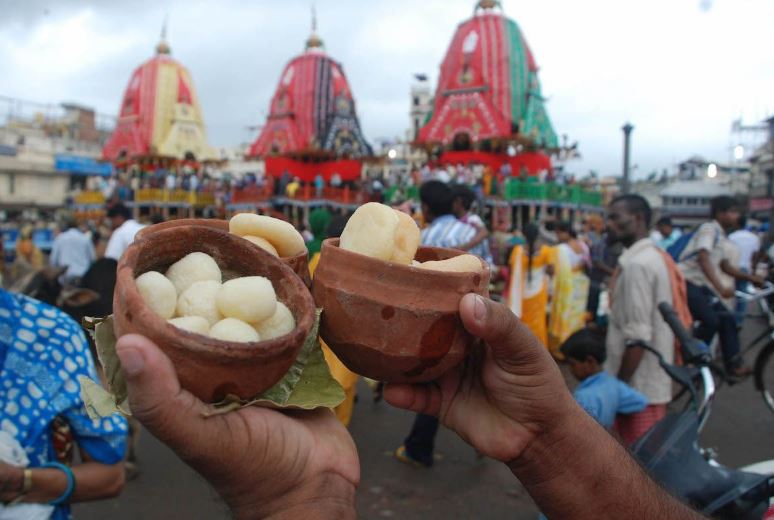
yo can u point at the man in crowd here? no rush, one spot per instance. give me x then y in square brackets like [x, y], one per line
[666, 234]
[124, 229]
[604, 258]
[642, 282]
[461, 207]
[443, 230]
[702, 261]
[748, 244]
[74, 250]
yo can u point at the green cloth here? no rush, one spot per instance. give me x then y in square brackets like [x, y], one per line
[319, 220]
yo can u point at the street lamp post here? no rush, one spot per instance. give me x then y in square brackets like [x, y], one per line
[625, 184]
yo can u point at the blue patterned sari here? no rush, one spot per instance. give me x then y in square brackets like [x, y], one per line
[42, 353]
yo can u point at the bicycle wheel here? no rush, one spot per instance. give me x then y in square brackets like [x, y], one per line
[764, 374]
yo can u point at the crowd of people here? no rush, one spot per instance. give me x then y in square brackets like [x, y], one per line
[585, 296]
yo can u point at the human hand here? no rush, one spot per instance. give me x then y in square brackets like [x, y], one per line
[728, 292]
[11, 482]
[757, 281]
[262, 462]
[502, 400]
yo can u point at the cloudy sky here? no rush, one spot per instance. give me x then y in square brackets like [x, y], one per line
[679, 70]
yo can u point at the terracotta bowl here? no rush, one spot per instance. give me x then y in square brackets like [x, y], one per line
[210, 368]
[299, 263]
[392, 322]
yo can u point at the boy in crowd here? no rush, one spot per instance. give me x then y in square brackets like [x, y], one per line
[602, 395]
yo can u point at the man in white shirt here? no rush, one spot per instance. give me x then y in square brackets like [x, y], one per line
[641, 283]
[702, 261]
[748, 244]
[74, 250]
[124, 229]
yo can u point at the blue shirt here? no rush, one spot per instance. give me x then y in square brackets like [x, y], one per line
[42, 353]
[447, 231]
[604, 396]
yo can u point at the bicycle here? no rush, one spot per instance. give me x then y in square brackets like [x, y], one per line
[670, 450]
[763, 367]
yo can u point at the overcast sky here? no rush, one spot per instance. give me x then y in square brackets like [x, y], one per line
[679, 70]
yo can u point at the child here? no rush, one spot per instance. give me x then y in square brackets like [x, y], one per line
[602, 395]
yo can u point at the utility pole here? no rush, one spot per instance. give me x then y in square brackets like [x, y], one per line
[625, 184]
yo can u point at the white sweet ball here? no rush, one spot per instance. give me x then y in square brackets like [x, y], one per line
[194, 267]
[456, 264]
[262, 243]
[282, 235]
[278, 325]
[250, 298]
[199, 300]
[195, 324]
[158, 292]
[232, 329]
[407, 237]
[371, 231]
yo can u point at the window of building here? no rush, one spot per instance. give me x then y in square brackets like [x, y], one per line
[677, 201]
[691, 201]
[12, 183]
[416, 101]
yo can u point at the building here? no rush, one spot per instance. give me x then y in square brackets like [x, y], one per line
[160, 115]
[421, 105]
[688, 202]
[46, 152]
[312, 125]
[488, 106]
[762, 178]
[686, 197]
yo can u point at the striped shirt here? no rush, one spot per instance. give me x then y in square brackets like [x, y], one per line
[447, 231]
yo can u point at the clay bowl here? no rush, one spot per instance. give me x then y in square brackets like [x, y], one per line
[392, 322]
[210, 368]
[299, 263]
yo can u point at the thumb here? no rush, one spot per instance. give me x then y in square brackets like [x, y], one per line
[156, 399]
[513, 345]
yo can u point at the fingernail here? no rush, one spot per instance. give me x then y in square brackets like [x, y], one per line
[479, 308]
[131, 361]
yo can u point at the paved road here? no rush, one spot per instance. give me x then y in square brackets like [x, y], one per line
[458, 486]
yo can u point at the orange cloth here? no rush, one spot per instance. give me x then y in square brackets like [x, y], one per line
[679, 299]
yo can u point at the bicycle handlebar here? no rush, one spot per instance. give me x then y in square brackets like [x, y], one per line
[692, 352]
[763, 292]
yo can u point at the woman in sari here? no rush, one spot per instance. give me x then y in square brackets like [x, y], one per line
[43, 353]
[26, 250]
[571, 289]
[531, 268]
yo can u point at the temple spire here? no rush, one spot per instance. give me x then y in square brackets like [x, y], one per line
[163, 46]
[487, 4]
[314, 41]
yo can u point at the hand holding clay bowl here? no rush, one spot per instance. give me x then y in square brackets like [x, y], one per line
[392, 321]
[294, 252]
[208, 367]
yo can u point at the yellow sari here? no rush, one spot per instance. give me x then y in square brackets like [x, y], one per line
[346, 378]
[528, 295]
[568, 307]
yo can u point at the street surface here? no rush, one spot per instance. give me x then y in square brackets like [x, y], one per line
[459, 486]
